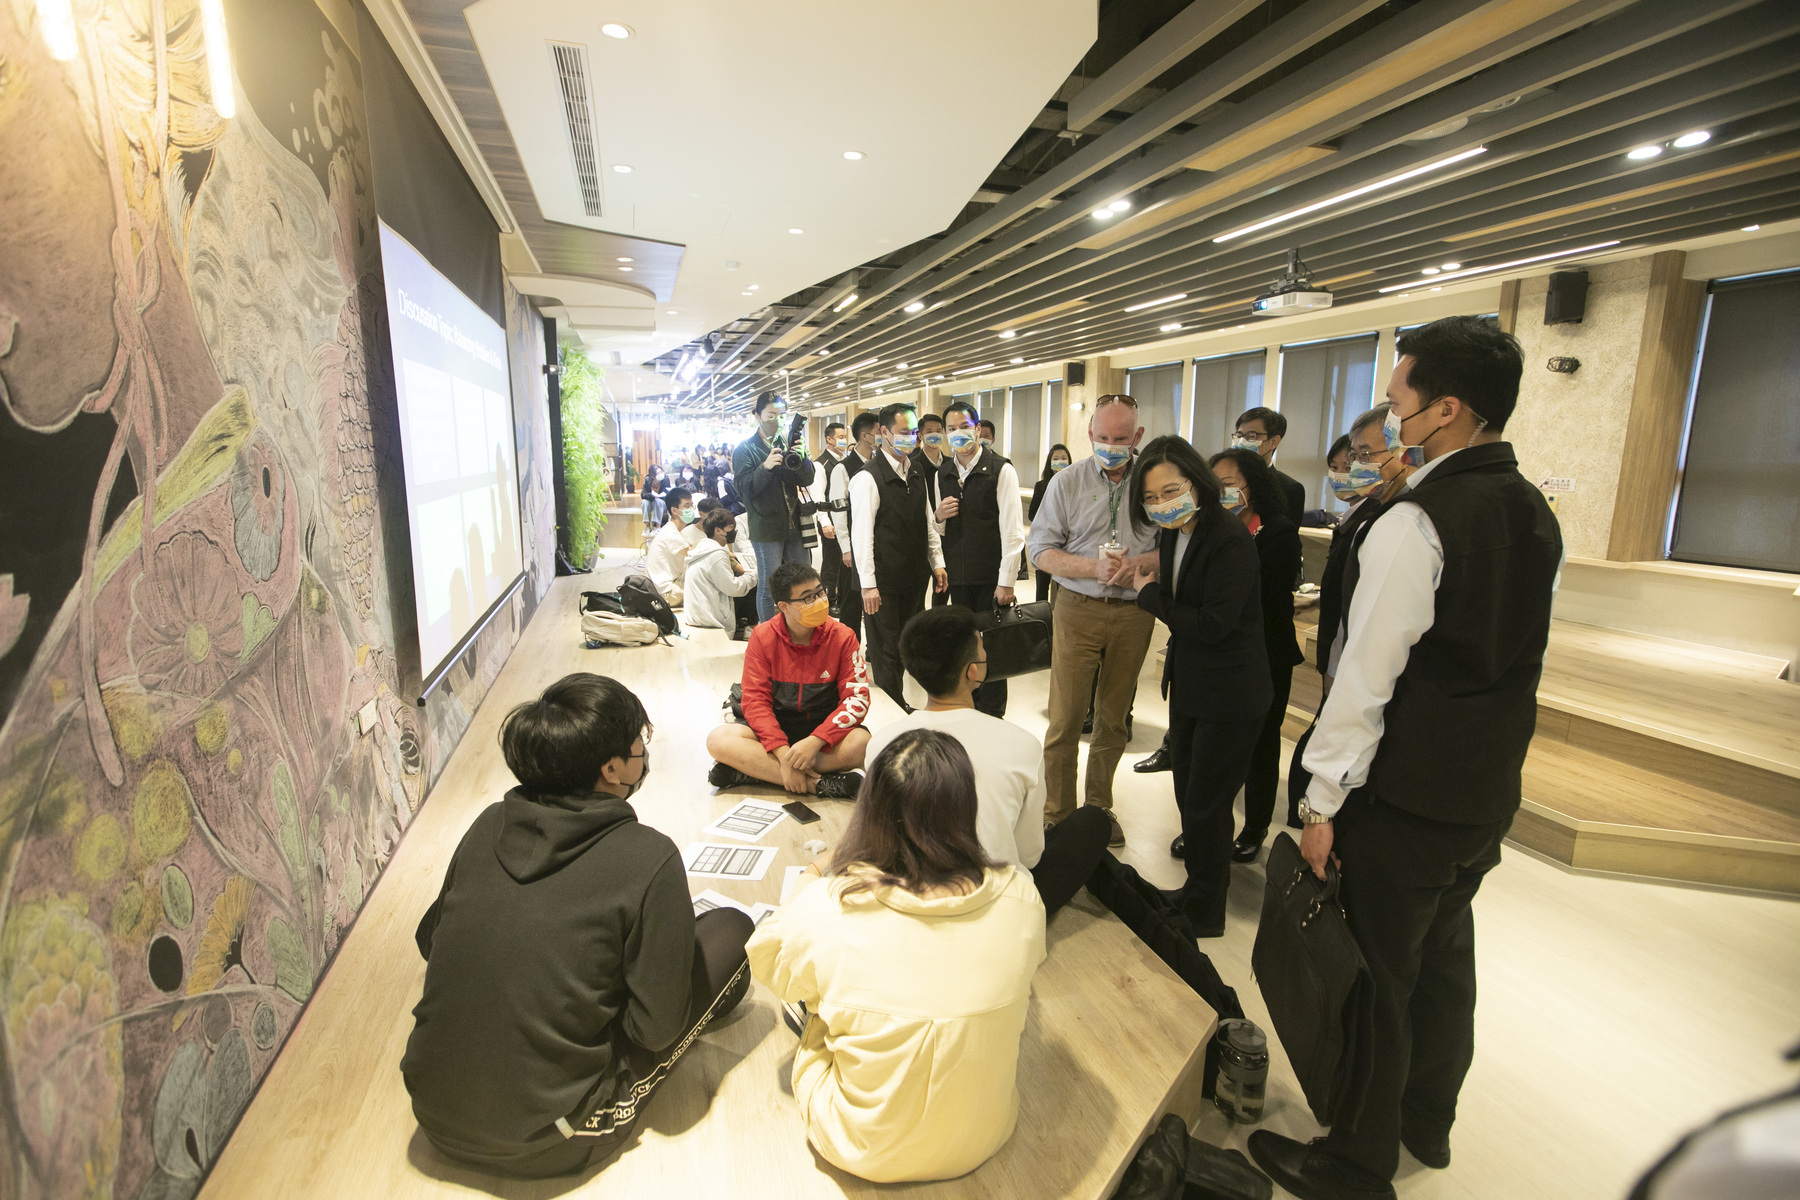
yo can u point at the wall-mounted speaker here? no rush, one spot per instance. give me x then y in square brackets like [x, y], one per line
[1566, 300]
[1075, 374]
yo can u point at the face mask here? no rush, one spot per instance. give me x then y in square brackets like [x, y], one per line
[1232, 498]
[631, 789]
[1057, 465]
[730, 535]
[1410, 456]
[1359, 480]
[816, 614]
[1112, 457]
[1240, 442]
[905, 443]
[961, 439]
[987, 441]
[1172, 513]
[933, 440]
[689, 515]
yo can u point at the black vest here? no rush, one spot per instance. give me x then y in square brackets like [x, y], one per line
[902, 557]
[972, 536]
[852, 466]
[1346, 540]
[1455, 733]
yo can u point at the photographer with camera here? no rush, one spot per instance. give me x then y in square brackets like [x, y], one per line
[768, 469]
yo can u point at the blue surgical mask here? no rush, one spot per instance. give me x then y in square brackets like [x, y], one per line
[1240, 442]
[905, 443]
[961, 439]
[1232, 498]
[1171, 514]
[1112, 457]
[1359, 480]
[1392, 429]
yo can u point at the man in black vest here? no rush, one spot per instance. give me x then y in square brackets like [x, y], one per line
[895, 542]
[837, 502]
[984, 528]
[830, 556]
[1418, 749]
[933, 452]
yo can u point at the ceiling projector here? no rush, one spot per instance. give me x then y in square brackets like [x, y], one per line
[1292, 293]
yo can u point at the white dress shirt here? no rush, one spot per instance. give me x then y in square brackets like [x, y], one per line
[823, 516]
[1398, 569]
[1012, 517]
[865, 502]
[837, 490]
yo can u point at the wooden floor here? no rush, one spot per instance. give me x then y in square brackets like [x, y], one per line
[1113, 1038]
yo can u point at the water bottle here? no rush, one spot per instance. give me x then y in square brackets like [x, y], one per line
[1243, 1071]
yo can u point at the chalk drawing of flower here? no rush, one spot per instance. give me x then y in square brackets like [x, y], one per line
[185, 631]
[258, 487]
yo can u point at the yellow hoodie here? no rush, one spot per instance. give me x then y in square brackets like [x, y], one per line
[908, 1066]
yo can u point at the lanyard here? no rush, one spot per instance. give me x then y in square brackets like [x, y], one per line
[1113, 495]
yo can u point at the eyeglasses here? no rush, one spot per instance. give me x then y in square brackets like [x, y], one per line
[1252, 436]
[812, 597]
[1168, 493]
[1370, 458]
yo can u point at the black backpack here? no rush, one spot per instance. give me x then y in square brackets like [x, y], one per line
[641, 599]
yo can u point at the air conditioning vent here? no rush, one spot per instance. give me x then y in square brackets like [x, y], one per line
[572, 75]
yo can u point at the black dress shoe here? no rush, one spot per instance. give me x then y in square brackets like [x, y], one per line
[1176, 900]
[1247, 846]
[1178, 847]
[1156, 760]
[1434, 1152]
[1311, 1174]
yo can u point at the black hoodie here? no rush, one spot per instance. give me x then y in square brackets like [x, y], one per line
[563, 936]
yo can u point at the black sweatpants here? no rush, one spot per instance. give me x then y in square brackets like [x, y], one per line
[721, 979]
[898, 606]
[1210, 760]
[1265, 757]
[1407, 885]
[1073, 848]
[990, 698]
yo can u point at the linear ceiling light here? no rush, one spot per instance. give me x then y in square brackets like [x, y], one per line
[1353, 193]
[846, 302]
[1517, 262]
[972, 370]
[218, 57]
[1154, 303]
[867, 362]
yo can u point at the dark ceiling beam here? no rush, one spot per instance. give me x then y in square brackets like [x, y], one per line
[1531, 70]
[1184, 33]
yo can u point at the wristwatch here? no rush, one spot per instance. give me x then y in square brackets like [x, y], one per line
[1309, 817]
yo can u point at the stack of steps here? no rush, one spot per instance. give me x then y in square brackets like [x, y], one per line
[1654, 758]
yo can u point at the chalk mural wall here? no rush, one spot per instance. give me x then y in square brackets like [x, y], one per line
[205, 761]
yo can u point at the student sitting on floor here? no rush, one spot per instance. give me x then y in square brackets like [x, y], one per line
[913, 961]
[805, 694]
[565, 971]
[721, 586]
[670, 547]
[942, 650]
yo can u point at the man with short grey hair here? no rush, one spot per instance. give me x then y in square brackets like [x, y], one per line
[1083, 537]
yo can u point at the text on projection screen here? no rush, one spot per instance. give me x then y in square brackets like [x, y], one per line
[456, 439]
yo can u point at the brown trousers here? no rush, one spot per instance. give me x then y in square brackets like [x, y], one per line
[1090, 636]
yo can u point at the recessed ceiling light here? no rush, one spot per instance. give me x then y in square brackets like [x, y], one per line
[823, 353]
[1366, 188]
[744, 293]
[1643, 152]
[1006, 333]
[1751, 228]
[613, 29]
[1517, 262]
[916, 306]
[624, 268]
[1428, 271]
[621, 168]
[1437, 289]
[624, 258]
[1103, 214]
[1016, 360]
[1452, 266]
[1696, 138]
[672, 312]
[756, 287]
[853, 155]
[1171, 327]
[904, 366]
[1120, 205]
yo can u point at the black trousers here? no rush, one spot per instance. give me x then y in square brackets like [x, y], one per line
[1299, 778]
[1265, 756]
[1210, 759]
[899, 604]
[744, 608]
[849, 598]
[990, 698]
[720, 980]
[1407, 885]
[1072, 849]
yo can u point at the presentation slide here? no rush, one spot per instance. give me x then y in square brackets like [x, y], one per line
[456, 437]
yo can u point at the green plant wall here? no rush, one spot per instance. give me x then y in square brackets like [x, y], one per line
[584, 423]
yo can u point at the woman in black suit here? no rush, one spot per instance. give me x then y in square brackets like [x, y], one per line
[1206, 589]
[1056, 460]
[1252, 491]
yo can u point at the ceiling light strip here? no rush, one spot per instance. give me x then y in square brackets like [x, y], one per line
[1517, 262]
[1154, 303]
[1353, 193]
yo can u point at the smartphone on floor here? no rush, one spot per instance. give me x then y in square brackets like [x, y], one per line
[800, 812]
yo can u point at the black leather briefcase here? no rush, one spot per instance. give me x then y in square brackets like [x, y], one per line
[1317, 985]
[1017, 638]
